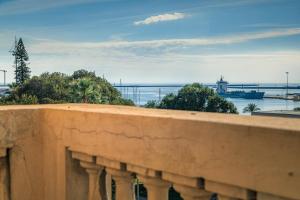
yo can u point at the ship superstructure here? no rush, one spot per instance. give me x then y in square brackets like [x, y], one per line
[222, 86]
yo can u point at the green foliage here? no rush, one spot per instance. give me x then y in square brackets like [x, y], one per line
[151, 104]
[53, 86]
[81, 87]
[82, 73]
[219, 104]
[251, 107]
[22, 72]
[84, 90]
[168, 102]
[121, 101]
[297, 109]
[24, 99]
[195, 97]
[27, 99]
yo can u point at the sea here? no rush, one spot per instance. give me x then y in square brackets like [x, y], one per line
[141, 95]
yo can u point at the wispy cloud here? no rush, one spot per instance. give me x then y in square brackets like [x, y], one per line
[269, 25]
[160, 18]
[57, 46]
[115, 61]
[26, 6]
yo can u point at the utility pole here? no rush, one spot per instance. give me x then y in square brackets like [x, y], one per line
[121, 88]
[4, 73]
[139, 97]
[159, 94]
[287, 84]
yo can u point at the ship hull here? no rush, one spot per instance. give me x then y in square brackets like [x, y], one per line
[243, 95]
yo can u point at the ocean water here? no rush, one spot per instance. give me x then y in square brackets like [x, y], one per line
[140, 95]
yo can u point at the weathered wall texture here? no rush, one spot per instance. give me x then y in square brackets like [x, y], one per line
[19, 131]
[4, 179]
[76, 180]
[257, 153]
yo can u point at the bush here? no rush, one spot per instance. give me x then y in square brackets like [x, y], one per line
[152, 104]
[195, 97]
[81, 87]
[28, 99]
[121, 101]
[297, 109]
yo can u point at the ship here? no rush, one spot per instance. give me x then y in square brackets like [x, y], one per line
[222, 86]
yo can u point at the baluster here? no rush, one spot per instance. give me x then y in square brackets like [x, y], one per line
[123, 180]
[4, 178]
[93, 170]
[188, 187]
[107, 181]
[191, 193]
[157, 189]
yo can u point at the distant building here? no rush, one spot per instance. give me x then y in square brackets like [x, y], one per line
[296, 97]
[222, 86]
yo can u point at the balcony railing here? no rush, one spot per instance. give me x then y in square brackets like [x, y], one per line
[73, 152]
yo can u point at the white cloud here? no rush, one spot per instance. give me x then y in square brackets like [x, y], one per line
[58, 46]
[176, 67]
[161, 18]
[132, 60]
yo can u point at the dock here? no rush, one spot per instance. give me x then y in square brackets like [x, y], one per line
[283, 97]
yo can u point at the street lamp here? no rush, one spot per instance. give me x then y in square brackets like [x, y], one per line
[287, 84]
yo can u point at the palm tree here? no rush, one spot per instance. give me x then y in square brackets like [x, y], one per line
[84, 90]
[251, 107]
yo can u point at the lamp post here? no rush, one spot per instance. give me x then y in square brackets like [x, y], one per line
[287, 84]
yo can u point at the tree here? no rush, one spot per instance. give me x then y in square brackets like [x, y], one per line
[168, 102]
[297, 109]
[196, 97]
[22, 72]
[219, 104]
[251, 107]
[193, 97]
[83, 73]
[84, 90]
[151, 104]
[49, 88]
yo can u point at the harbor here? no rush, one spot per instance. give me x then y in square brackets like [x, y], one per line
[272, 90]
[275, 94]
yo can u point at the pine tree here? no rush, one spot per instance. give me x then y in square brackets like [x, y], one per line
[22, 72]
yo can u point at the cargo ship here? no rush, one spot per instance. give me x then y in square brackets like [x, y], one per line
[222, 91]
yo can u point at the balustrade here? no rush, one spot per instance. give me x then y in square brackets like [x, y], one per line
[198, 154]
[156, 182]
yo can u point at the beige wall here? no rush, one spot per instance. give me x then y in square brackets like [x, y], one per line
[257, 153]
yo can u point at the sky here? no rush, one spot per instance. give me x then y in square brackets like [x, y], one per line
[161, 41]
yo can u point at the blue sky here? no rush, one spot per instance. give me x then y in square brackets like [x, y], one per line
[159, 41]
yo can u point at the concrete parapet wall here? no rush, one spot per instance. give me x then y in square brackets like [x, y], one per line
[234, 155]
